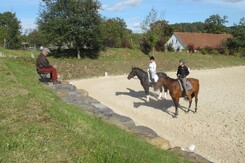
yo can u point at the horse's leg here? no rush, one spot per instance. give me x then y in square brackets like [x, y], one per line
[146, 88]
[196, 100]
[190, 101]
[160, 94]
[176, 104]
[165, 93]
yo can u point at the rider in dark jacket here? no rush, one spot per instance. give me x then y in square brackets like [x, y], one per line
[182, 73]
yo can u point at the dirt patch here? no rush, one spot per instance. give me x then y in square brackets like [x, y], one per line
[218, 128]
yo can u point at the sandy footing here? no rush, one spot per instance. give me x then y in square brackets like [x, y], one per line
[218, 128]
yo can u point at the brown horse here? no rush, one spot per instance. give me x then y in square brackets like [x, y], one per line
[175, 91]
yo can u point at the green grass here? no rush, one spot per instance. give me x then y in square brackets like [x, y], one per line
[120, 61]
[36, 126]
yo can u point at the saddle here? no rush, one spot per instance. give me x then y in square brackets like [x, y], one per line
[155, 78]
[188, 85]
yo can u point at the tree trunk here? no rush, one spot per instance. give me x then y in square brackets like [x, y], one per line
[78, 54]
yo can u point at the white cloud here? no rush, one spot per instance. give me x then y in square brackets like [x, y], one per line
[121, 5]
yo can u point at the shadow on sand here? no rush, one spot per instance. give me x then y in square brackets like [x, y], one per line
[163, 104]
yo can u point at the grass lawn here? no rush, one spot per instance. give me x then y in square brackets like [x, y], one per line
[120, 61]
[36, 126]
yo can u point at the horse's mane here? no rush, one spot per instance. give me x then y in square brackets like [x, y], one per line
[138, 69]
[172, 79]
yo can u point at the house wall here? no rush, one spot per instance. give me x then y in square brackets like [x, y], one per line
[175, 43]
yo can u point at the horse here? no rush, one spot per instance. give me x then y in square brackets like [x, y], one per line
[144, 80]
[175, 91]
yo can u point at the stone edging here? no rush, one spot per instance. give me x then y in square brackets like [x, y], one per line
[71, 95]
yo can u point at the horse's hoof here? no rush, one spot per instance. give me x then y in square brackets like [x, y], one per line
[175, 115]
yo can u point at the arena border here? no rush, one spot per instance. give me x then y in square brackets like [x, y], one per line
[80, 98]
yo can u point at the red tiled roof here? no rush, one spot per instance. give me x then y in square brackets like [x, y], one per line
[202, 40]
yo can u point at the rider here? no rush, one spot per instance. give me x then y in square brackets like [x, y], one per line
[152, 69]
[182, 73]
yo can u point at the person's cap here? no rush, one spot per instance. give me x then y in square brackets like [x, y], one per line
[182, 61]
[46, 50]
[152, 58]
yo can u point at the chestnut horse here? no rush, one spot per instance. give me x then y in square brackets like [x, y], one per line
[144, 80]
[175, 91]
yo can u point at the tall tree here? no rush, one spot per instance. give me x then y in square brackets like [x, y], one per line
[73, 22]
[237, 43]
[156, 31]
[36, 38]
[189, 27]
[115, 32]
[215, 24]
[10, 30]
[151, 37]
[150, 19]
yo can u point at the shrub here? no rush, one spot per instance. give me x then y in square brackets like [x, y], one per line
[242, 52]
[160, 45]
[190, 48]
[214, 52]
[170, 47]
[145, 46]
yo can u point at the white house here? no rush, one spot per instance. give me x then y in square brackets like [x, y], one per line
[180, 40]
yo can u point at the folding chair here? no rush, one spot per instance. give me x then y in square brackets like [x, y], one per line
[43, 76]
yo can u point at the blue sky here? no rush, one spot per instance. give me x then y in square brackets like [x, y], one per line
[133, 12]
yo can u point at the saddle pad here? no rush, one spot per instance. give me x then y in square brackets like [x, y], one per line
[188, 85]
[155, 77]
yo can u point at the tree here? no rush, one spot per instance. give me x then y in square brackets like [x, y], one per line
[150, 19]
[145, 46]
[36, 38]
[189, 27]
[10, 30]
[115, 33]
[72, 22]
[156, 31]
[162, 28]
[215, 24]
[238, 41]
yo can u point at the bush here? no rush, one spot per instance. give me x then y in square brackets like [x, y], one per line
[170, 47]
[190, 48]
[145, 46]
[214, 52]
[160, 45]
[242, 52]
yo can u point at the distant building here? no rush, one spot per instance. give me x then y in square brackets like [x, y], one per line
[181, 40]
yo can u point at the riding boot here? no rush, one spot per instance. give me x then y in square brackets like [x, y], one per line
[186, 94]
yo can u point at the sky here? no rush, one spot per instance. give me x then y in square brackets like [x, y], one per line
[133, 12]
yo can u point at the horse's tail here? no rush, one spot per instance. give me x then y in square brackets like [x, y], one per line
[197, 86]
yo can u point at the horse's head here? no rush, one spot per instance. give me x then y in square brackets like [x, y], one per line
[132, 73]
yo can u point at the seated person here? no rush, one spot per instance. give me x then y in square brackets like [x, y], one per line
[44, 66]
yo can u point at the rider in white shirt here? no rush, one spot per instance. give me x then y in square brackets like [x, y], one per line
[152, 69]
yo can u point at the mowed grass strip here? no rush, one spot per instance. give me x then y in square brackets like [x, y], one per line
[36, 126]
[120, 61]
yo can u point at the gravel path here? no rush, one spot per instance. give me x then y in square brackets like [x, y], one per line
[217, 130]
